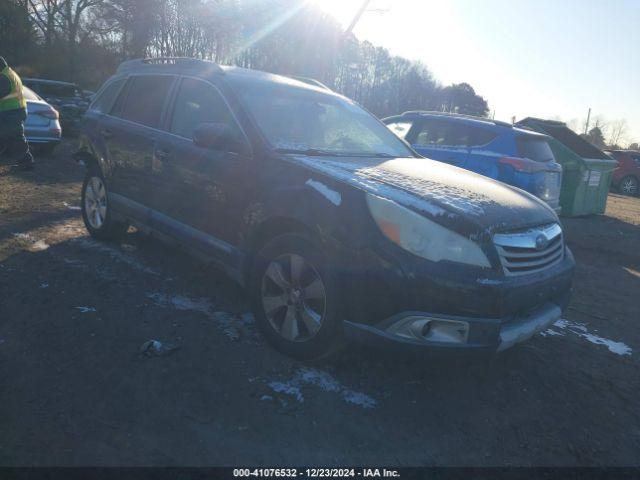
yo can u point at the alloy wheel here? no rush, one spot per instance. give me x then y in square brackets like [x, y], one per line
[293, 297]
[95, 202]
[630, 186]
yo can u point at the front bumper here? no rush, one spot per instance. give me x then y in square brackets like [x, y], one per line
[484, 335]
[495, 312]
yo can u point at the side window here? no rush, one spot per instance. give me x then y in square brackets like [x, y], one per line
[480, 136]
[146, 97]
[435, 133]
[401, 129]
[198, 102]
[103, 103]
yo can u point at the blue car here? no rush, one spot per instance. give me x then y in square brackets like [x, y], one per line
[498, 150]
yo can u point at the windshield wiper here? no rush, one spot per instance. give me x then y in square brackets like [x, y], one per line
[312, 152]
[315, 152]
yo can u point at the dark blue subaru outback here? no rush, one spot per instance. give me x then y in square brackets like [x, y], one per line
[333, 225]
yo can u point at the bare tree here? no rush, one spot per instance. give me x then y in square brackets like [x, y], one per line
[617, 132]
[45, 16]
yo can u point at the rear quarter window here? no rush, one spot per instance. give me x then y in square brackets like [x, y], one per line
[536, 149]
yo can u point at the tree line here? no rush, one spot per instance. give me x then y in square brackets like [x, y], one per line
[84, 41]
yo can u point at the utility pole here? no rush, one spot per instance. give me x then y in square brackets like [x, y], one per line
[586, 125]
[356, 19]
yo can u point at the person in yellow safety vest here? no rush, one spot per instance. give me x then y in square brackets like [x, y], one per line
[13, 113]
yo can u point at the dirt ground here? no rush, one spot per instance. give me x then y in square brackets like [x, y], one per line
[75, 390]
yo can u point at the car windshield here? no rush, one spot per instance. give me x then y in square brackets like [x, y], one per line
[296, 120]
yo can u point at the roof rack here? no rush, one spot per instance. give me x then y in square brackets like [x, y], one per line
[459, 115]
[193, 63]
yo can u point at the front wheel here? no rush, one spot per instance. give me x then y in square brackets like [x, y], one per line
[629, 185]
[295, 298]
[96, 211]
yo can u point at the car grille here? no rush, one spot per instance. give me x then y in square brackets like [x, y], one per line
[530, 251]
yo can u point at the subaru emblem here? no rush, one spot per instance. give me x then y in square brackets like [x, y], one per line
[541, 242]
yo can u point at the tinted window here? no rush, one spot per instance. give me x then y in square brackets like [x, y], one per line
[436, 133]
[103, 103]
[479, 136]
[146, 98]
[198, 102]
[401, 129]
[534, 149]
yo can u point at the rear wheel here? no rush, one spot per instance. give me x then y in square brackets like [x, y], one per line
[96, 211]
[629, 185]
[295, 298]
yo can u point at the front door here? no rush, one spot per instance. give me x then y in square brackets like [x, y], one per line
[199, 192]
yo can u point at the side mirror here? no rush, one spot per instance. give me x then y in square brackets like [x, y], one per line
[218, 136]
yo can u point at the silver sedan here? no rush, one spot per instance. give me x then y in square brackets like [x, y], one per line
[42, 127]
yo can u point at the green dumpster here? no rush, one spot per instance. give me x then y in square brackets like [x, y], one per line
[586, 170]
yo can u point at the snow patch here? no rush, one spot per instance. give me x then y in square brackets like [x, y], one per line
[70, 207]
[331, 195]
[287, 389]
[619, 348]
[116, 255]
[488, 281]
[36, 245]
[323, 381]
[233, 326]
[85, 309]
[350, 173]
[39, 246]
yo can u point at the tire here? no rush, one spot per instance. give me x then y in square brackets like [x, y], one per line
[96, 211]
[301, 317]
[628, 186]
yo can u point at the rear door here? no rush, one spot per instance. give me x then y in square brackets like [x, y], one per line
[199, 190]
[131, 133]
[484, 153]
[442, 139]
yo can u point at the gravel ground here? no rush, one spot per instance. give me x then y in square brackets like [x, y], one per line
[76, 390]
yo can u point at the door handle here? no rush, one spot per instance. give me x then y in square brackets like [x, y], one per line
[106, 133]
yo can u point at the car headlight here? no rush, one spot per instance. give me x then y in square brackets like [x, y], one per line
[422, 237]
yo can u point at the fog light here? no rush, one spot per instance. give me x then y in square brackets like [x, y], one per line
[431, 329]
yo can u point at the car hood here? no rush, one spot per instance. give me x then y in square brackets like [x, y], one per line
[440, 191]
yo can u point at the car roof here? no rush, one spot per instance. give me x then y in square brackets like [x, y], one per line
[622, 150]
[471, 120]
[457, 117]
[206, 69]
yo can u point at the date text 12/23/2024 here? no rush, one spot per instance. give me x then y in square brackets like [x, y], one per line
[315, 473]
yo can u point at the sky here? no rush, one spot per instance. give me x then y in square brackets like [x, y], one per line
[544, 58]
